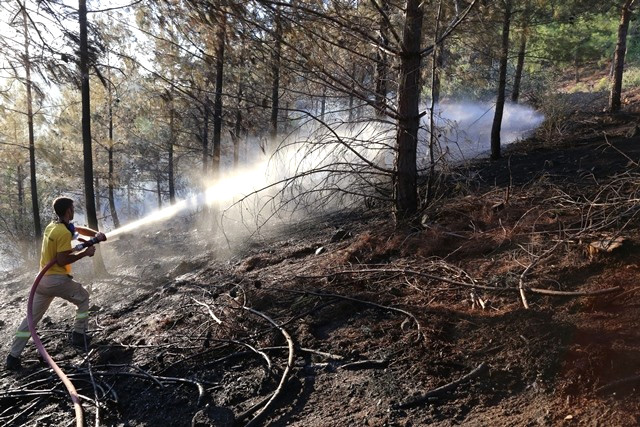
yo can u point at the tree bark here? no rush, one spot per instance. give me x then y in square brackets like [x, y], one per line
[89, 194]
[237, 129]
[217, 104]
[517, 80]
[275, 74]
[502, 84]
[435, 95]
[618, 60]
[351, 92]
[172, 184]
[382, 62]
[405, 185]
[37, 226]
[21, 210]
[439, 63]
[111, 179]
[205, 136]
[323, 103]
[159, 184]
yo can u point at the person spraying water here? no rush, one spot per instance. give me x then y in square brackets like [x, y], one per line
[56, 280]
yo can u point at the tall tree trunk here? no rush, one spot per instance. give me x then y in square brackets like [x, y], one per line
[405, 185]
[159, 185]
[382, 62]
[37, 227]
[517, 79]
[237, 129]
[89, 194]
[618, 59]
[275, 75]
[435, 94]
[87, 152]
[323, 103]
[112, 201]
[96, 186]
[21, 210]
[217, 105]
[171, 166]
[205, 136]
[438, 58]
[502, 84]
[351, 92]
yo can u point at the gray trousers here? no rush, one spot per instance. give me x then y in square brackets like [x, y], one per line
[51, 286]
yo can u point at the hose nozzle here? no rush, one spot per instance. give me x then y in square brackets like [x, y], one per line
[100, 237]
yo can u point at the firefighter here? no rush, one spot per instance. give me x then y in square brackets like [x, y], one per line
[57, 281]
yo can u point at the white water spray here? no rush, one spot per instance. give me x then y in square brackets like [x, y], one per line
[225, 190]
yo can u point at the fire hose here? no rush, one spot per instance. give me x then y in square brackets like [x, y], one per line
[75, 398]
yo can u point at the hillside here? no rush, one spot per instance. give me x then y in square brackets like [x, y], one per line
[379, 319]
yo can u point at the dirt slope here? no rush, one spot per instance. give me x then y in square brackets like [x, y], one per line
[378, 317]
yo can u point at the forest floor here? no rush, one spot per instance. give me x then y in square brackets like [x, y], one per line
[345, 320]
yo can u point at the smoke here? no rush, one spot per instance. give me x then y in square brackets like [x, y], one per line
[464, 128]
[331, 164]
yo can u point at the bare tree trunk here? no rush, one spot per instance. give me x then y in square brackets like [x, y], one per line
[237, 129]
[618, 59]
[517, 80]
[159, 185]
[323, 103]
[112, 201]
[435, 93]
[502, 84]
[89, 194]
[96, 185]
[351, 92]
[217, 104]
[438, 58]
[21, 210]
[405, 185]
[275, 74]
[382, 62]
[129, 202]
[172, 185]
[205, 136]
[37, 227]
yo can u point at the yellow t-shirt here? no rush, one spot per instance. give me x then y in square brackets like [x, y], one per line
[56, 238]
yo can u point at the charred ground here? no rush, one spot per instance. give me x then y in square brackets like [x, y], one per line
[378, 316]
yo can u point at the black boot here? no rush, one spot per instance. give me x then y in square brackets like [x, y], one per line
[78, 339]
[13, 363]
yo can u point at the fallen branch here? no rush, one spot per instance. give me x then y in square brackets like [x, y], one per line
[445, 388]
[213, 316]
[548, 292]
[551, 292]
[360, 301]
[285, 375]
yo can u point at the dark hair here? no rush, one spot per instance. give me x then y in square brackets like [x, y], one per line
[61, 204]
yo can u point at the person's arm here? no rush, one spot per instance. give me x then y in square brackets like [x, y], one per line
[68, 257]
[88, 232]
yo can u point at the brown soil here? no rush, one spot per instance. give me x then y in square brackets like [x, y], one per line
[411, 333]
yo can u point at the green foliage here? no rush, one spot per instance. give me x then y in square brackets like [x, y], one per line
[585, 39]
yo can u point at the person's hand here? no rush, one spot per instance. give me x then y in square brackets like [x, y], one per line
[90, 251]
[101, 236]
